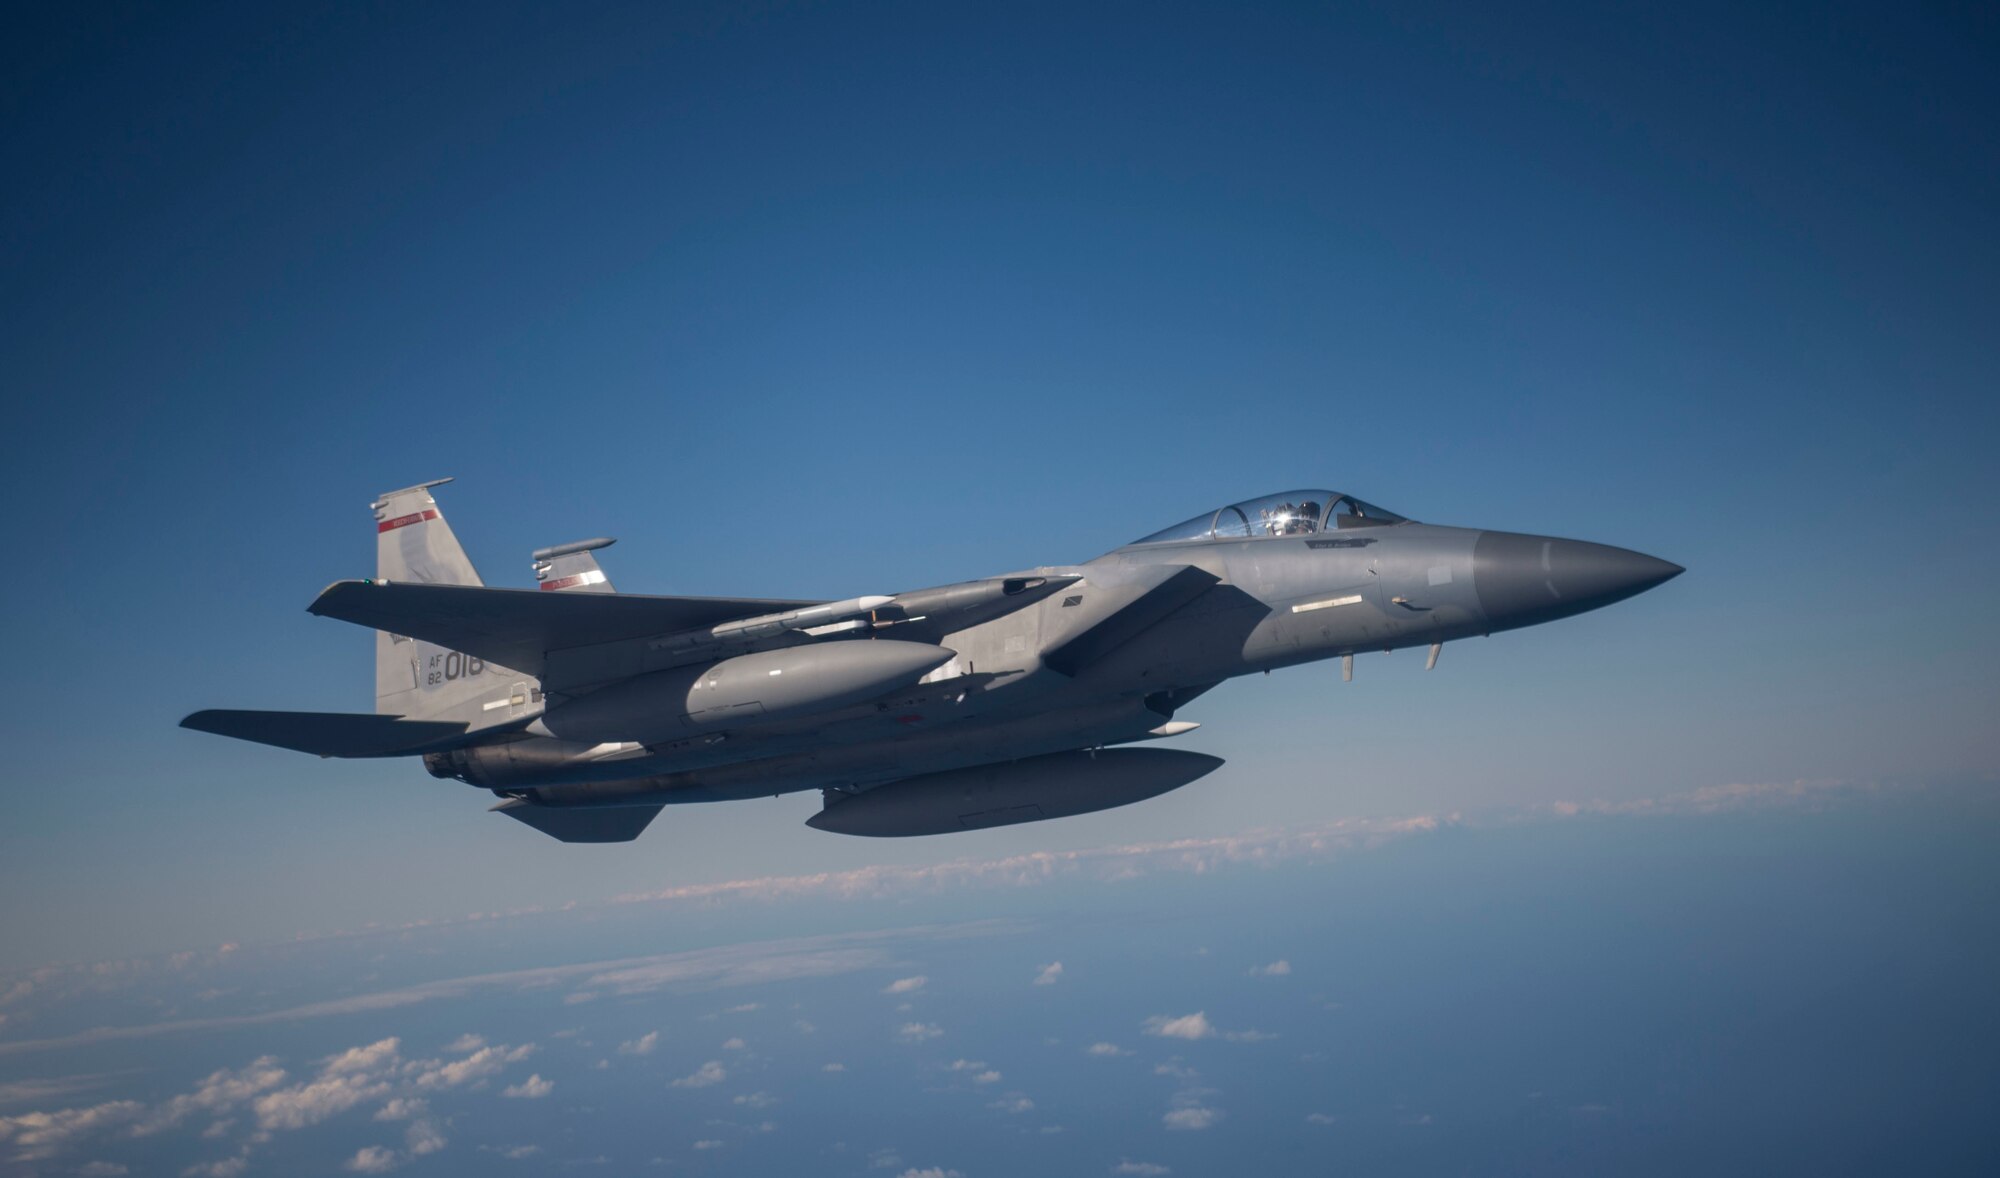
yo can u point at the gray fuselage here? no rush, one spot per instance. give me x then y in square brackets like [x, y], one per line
[1103, 660]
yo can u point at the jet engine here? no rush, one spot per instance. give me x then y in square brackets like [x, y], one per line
[525, 761]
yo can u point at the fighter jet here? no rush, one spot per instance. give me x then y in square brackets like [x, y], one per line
[1016, 698]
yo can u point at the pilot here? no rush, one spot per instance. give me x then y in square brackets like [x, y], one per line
[1288, 516]
[1308, 516]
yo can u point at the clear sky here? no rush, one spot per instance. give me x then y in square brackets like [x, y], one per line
[822, 301]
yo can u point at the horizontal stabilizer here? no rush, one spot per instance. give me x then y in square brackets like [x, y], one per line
[593, 824]
[327, 734]
[516, 627]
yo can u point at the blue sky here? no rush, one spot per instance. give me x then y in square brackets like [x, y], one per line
[828, 301]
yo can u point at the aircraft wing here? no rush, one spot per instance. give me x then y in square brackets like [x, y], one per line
[516, 628]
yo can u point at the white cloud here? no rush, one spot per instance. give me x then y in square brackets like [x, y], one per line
[362, 1059]
[532, 1088]
[803, 1027]
[930, 1172]
[370, 1072]
[1277, 969]
[1319, 1119]
[981, 1074]
[372, 1159]
[423, 1137]
[1145, 1169]
[643, 1045]
[708, 1143]
[1105, 1049]
[1013, 1102]
[102, 1170]
[1050, 974]
[54, 1088]
[918, 1032]
[465, 1043]
[512, 1152]
[732, 1044]
[1176, 1069]
[403, 1108]
[478, 1066]
[221, 1090]
[744, 1008]
[310, 1103]
[711, 1072]
[1192, 1117]
[756, 1100]
[1197, 1026]
[833, 1067]
[359, 1075]
[906, 985]
[1187, 1026]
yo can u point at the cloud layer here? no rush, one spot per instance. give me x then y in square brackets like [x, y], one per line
[265, 1099]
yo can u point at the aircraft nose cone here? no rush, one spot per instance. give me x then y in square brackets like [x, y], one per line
[1522, 580]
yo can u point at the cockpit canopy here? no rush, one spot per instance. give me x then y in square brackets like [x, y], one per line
[1288, 513]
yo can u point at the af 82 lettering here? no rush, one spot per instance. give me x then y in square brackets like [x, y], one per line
[446, 666]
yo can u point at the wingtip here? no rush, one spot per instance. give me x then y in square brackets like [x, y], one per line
[331, 591]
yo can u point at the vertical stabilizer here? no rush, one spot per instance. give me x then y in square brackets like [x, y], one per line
[570, 568]
[414, 543]
[417, 679]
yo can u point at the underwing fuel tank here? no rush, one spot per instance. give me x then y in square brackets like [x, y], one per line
[766, 685]
[1029, 790]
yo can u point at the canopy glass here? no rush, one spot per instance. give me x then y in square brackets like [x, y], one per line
[1288, 513]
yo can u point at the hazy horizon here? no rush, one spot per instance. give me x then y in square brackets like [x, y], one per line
[1578, 988]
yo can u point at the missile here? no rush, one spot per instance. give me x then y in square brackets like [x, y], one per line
[952, 607]
[942, 610]
[550, 553]
[968, 603]
[1029, 790]
[812, 617]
